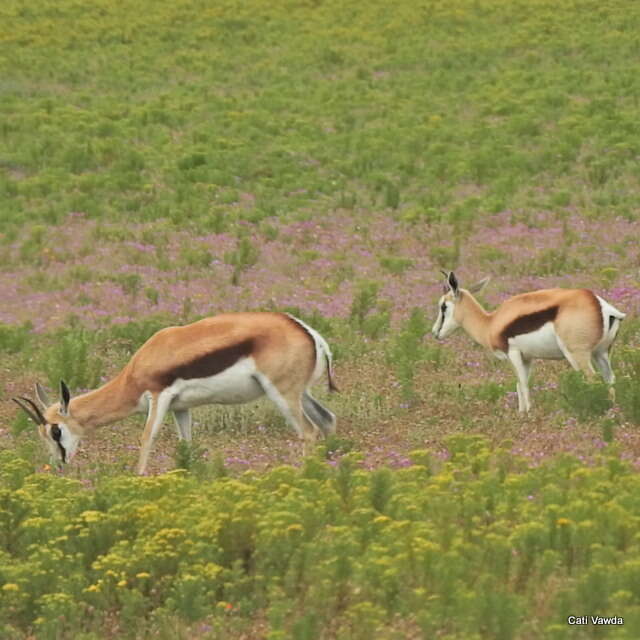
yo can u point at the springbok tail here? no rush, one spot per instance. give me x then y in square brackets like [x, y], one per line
[330, 382]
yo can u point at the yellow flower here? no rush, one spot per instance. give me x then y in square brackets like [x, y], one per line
[563, 521]
[11, 586]
[122, 583]
[143, 574]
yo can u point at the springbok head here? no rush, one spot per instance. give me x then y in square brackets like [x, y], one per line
[56, 426]
[451, 305]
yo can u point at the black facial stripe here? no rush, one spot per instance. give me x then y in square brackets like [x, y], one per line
[56, 434]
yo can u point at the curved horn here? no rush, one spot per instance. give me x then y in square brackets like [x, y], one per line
[42, 396]
[35, 408]
[35, 415]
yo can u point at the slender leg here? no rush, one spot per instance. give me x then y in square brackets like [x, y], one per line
[309, 429]
[527, 370]
[584, 364]
[289, 403]
[183, 423]
[567, 353]
[579, 359]
[604, 366]
[522, 369]
[158, 407]
[318, 414]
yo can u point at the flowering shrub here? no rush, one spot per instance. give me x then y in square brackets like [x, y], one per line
[470, 547]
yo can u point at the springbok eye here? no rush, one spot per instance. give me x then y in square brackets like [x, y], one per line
[56, 433]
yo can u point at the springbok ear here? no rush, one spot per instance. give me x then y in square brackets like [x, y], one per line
[65, 398]
[479, 286]
[452, 281]
[42, 396]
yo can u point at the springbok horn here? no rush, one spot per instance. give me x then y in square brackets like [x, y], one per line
[35, 415]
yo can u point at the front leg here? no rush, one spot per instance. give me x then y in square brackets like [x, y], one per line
[158, 407]
[520, 400]
[522, 368]
[183, 422]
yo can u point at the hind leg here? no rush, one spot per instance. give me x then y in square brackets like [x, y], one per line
[309, 431]
[584, 364]
[578, 358]
[324, 419]
[603, 363]
[289, 403]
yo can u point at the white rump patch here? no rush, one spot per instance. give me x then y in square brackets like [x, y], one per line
[322, 348]
[609, 330]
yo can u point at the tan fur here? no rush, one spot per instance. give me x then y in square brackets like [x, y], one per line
[282, 349]
[571, 324]
[578, 323]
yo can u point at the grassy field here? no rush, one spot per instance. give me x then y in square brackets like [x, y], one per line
[164, 161]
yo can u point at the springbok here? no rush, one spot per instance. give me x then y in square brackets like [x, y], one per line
[226, 359]
[575, 324]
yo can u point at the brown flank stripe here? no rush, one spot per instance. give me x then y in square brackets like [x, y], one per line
[208, 364]
[526, 324]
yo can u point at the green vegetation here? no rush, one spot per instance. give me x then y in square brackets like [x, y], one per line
[584, 399]
[164, 161]
[169, 110]
[464, 547]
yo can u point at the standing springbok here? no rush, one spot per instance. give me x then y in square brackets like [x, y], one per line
[575, 324]
[227, 359]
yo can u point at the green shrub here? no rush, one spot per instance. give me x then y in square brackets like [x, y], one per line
[14, 339]
[71, 356]
[628, 397]
[129, 282]
[196, 256]
[359, 551]
[130, 336]
[584, 399]
[407, 350]
[364, 301]
[188, 456]
[395, 264]
[244, 256]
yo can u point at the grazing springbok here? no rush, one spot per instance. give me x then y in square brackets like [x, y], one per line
[227, 359]
[575, 324]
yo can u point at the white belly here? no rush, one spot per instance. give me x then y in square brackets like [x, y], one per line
[234, 385]
[542, 343]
